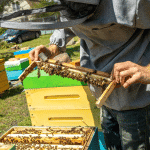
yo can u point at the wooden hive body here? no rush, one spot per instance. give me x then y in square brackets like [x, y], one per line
[23, 54]
[60, 101]
[76, 138]
[4, 85]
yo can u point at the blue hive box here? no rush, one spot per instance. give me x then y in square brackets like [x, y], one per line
[23, 51]
[101, 141]
[23, 54]
[94, 144]
[13, 75]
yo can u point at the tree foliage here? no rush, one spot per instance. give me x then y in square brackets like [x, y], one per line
[2, 30]
[33, 4]
[3, 3]
[43, 3]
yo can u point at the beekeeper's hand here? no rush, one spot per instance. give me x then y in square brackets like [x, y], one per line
[127, 73]
[52, 50]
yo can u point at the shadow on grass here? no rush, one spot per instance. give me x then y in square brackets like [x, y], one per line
[11, 92]
[1, 115]
[71, 50]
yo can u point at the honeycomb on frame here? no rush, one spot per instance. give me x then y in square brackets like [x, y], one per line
[52, 138]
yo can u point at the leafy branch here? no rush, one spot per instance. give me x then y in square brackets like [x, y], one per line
[3, 3]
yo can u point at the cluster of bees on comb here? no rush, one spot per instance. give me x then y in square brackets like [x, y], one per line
[48, 138]
[77, 74]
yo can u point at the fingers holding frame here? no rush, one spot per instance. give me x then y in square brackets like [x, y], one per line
[126, 73]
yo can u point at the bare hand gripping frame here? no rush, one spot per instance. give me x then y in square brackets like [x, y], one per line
[86, 75]
[78, 73]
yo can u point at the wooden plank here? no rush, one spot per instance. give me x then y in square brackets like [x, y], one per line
[75, 63]
[88, 140]
[28, 70]
[46, 140]
[106, 94]
[8, 132]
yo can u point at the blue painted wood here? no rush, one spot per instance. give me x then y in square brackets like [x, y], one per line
[97, 142]
[94, 145]
[101, 141]
[13, 75]
[23, 51]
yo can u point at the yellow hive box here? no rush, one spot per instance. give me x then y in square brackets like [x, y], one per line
[24, 56]
[4, 85]
[2, 64]
[78, 117]
[73, 97]
[3, 76]
[63, 106]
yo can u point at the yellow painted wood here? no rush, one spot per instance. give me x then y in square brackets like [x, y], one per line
[80, 117]
[24, 56]
[5, 87]
[3, 83]
[75, 97]
[2, 67]
[75, 63]
[2, 64]
[63, 106]
[3, 76]
[106, 94]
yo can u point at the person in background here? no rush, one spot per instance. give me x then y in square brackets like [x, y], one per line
[114, 39]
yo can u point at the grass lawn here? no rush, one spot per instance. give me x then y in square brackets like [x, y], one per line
[13, 109]
[72, 50]
[13, 105]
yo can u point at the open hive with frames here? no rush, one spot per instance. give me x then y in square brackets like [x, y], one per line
[49, 138]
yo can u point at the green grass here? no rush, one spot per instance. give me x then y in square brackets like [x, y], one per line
[43, 40]
[13, 104]
[73, 50]
[13, 109]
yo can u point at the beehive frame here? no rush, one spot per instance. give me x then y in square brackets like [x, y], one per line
[80, 140]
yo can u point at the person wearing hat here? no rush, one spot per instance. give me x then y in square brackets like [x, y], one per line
[115, 38]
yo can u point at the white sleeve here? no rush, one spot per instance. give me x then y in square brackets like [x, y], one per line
[61, 37]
